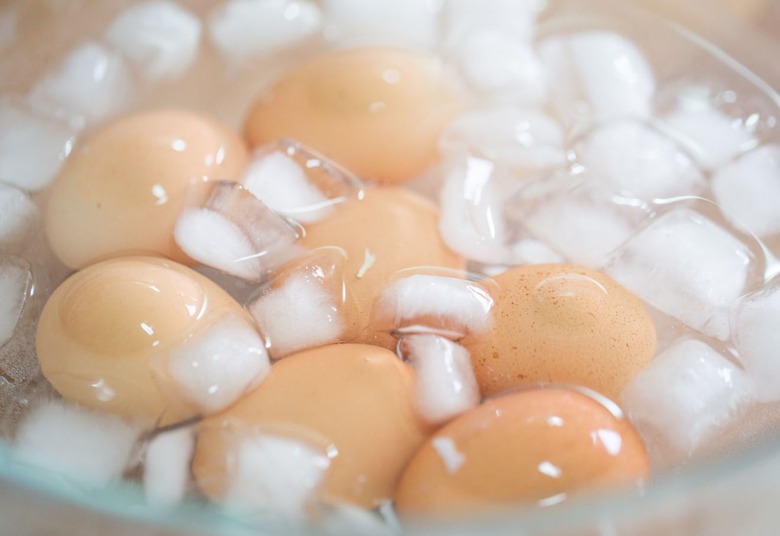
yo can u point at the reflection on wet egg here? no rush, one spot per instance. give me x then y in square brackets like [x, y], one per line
[376, 111]
[537, 446]
[123, 189]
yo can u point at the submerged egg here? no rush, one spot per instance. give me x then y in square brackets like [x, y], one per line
[562, 323]
[378, 112]
[124, 188]
[534, 447]
[110, 338]
[354, 402]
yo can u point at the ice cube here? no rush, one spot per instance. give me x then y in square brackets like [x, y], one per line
[341, 519]
[15, 284]
[597, 76]
[92, 83]
[18, 215]
[167, 466]
[686, 266]
[748, 190]
[463, 18]
[80, 444]
[686, 395]
[159, 36]
[757, 339]
[502, 66]
[406, 23]
[242, 28]
[636, 160]
[214, 368]
[33, 145]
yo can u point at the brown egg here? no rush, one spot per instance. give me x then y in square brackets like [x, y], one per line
[376, 111]
[124, 188]
[534, 447]
[106, 333]
[354, 399]
[563, 324]
[388, 230]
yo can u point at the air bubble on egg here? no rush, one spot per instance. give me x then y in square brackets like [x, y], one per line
[159, 36]
[214, 368]
[446, 386]
[235, 232]
[167, 466]
[82, 445]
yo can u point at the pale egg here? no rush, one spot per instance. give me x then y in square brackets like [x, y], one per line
[122, 190]
[376, 111]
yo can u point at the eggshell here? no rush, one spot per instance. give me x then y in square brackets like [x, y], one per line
[376, 111]
[536, 446]
[356, 400]
[105, 332]
[388, 230]
[124, 188]
[565, 324]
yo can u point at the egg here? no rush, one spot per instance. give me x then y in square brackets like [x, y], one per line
[123, 189]
[388, 230]
[106, 334]
[354, 400]
[532, 447]
[565, 324]
[376, 111]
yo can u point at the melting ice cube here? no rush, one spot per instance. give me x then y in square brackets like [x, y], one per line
[18, 215]
[15, 281]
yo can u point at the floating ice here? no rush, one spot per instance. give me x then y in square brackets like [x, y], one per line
[18, 215]
[748, 190]
[167, 466]
[15, 281]
[446, 305]
[92, 83]
[32, 145]
[686, 266]
[757, 339]
[687, 394]
[273, 474]
[159, 36]
[214, 368]
[241, 28]
[446, 385]
[407, 23]
[597, 76]
[463, 18]
[636, 160]
[83, 445]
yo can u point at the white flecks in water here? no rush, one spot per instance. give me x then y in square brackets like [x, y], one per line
[92, 83]
[686, 266]
[159, 37]
[686, 395]
[15, 282]
[446, 385]
[597, 76]
[33, 145]
[244, 28]
[18, 218]
[748, 191]
[214, 368]
[637, 160]
[82, 445]
[167, 466]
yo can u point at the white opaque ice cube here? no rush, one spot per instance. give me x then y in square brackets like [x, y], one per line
[636, 160]
[242, 28]
[15, 281]
[757, 339]
[33, 145]
[212, 369]
[83, 445]
[597, 75]
[159, 36]
[463, 18]
[686, 395]
[92, 82]
[341, 519]
[686, 266]
[408, 23]
[748, 190]
[167, 466]
[18, 215]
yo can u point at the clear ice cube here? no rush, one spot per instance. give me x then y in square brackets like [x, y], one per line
[18, 216]
[15, 283]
